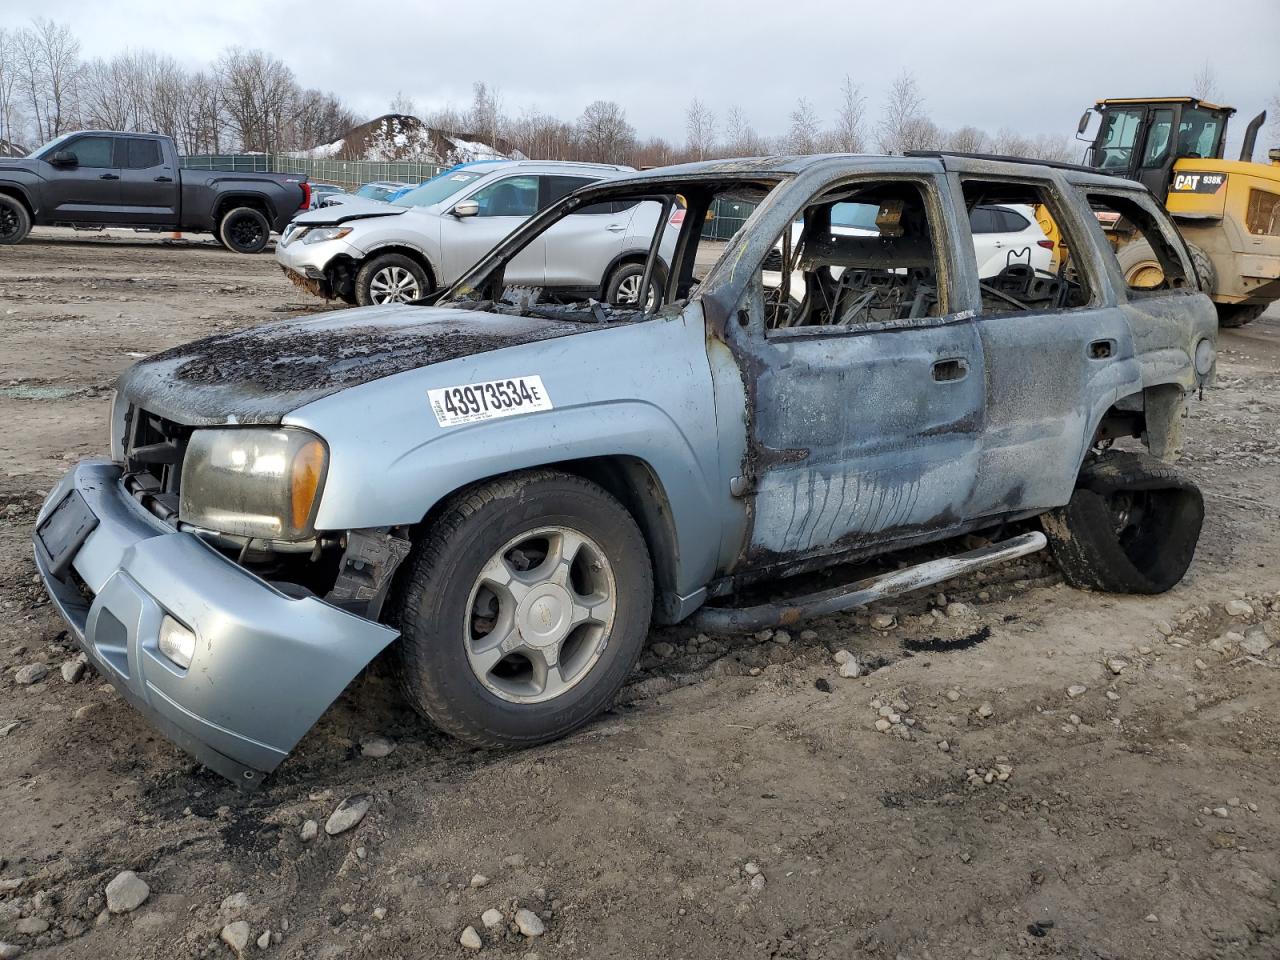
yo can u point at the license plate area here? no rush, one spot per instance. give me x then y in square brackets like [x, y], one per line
[63, 532]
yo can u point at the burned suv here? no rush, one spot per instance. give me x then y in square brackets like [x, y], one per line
[507, 486]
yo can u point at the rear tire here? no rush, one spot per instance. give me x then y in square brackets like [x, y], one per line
[1131, 526]
[523, 609]
[391, 278]
[1231, 315]
[244, 230]
[15, 222]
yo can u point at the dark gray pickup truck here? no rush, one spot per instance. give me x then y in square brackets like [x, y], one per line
[99, 178]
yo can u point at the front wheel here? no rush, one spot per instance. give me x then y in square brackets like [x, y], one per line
[523, 609]
[244, 230]
[390, 278]
[623, 287]
[15, 222]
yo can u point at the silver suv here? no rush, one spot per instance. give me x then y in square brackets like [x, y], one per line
[372, 253]
[506, 487]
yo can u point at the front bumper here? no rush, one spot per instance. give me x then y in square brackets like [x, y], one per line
[266, 665]
[311, 260]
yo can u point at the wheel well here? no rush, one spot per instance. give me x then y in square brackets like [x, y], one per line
[20, 197]
[636, 486]
[415, 255]
[227, 204]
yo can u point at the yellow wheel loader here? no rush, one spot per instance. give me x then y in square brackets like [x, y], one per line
[1228, 210]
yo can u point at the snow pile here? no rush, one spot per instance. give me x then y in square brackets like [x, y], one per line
[401, 138]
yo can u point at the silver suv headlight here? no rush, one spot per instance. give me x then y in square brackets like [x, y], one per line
[321, 234]
[253, 482]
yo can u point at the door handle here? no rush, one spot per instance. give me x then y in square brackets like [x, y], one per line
[108, 176]
[945, 371]
[164, 179]
[1102, 349]
[615, 228]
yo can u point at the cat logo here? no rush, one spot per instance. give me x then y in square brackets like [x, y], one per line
[1198, 182]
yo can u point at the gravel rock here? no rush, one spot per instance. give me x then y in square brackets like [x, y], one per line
[10, 951]
[479, 880]
[842, 656]
[491, 918]
[470, 939]
[530, 923]
[959, 611]
[1112, 695]
[883, 725]
[985, 709]
[9, 727]
[1255, 642]
[662, 650]
[850, 669]
[236, 903]
[264, 941]
[757, 883]
[31, 673]
[376, 747]
[127, 891]
[348, 814]
[236, 936]
[309, 830]
[1077, 690]
[516, 861]
[751, 868]
[808, 636]
[884, 621]
[31, 926]
[1116, 665]
[73, 670]
[1239, 608]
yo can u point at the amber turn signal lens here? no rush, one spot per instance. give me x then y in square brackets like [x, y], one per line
[308, 468]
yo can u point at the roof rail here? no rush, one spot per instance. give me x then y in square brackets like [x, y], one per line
[1002, 158]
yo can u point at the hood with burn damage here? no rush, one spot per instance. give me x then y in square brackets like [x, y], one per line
[261, 374]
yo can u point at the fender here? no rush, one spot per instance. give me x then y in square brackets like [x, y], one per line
[19, 189]
[408, 245]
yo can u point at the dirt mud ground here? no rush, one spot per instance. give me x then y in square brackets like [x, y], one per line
[999, 817]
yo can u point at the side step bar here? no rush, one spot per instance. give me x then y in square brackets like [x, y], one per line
[859, 594]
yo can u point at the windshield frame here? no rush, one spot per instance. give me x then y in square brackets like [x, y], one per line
[52, 145]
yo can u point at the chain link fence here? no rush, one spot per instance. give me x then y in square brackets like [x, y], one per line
[347, 174]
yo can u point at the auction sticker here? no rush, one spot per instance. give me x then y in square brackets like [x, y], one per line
[473, 402]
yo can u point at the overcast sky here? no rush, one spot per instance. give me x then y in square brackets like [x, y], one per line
[1032, 66]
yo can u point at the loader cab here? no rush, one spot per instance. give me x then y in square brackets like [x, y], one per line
[1142, 139]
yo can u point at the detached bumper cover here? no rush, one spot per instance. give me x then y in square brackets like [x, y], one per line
[266, 665]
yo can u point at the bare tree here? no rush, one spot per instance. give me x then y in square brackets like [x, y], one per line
[485, 117]
[403, 105]
[604, 134]
[541, 136]
[967, 140]
[1009, 143]
[11, 120]
[802, 135]
[260, 95]
[700, 125]
[849, 136]
[49, 58]
[741, 139]
[1204, 85]
[902, 121]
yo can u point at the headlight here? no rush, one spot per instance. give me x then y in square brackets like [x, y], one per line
[1205, 356]
[320, 234]
[249, 482]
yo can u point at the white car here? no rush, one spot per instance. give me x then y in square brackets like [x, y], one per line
[367, 252]
[1002, 236]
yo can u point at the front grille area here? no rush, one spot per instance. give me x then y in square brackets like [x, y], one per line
[153, 452]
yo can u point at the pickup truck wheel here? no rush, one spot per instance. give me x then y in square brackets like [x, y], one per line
[244, 230]
[523, 609]
[390, 278]
[15, 222]
[1131, 526]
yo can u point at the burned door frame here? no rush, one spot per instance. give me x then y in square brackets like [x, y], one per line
[894, 464]
[1051, 374]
